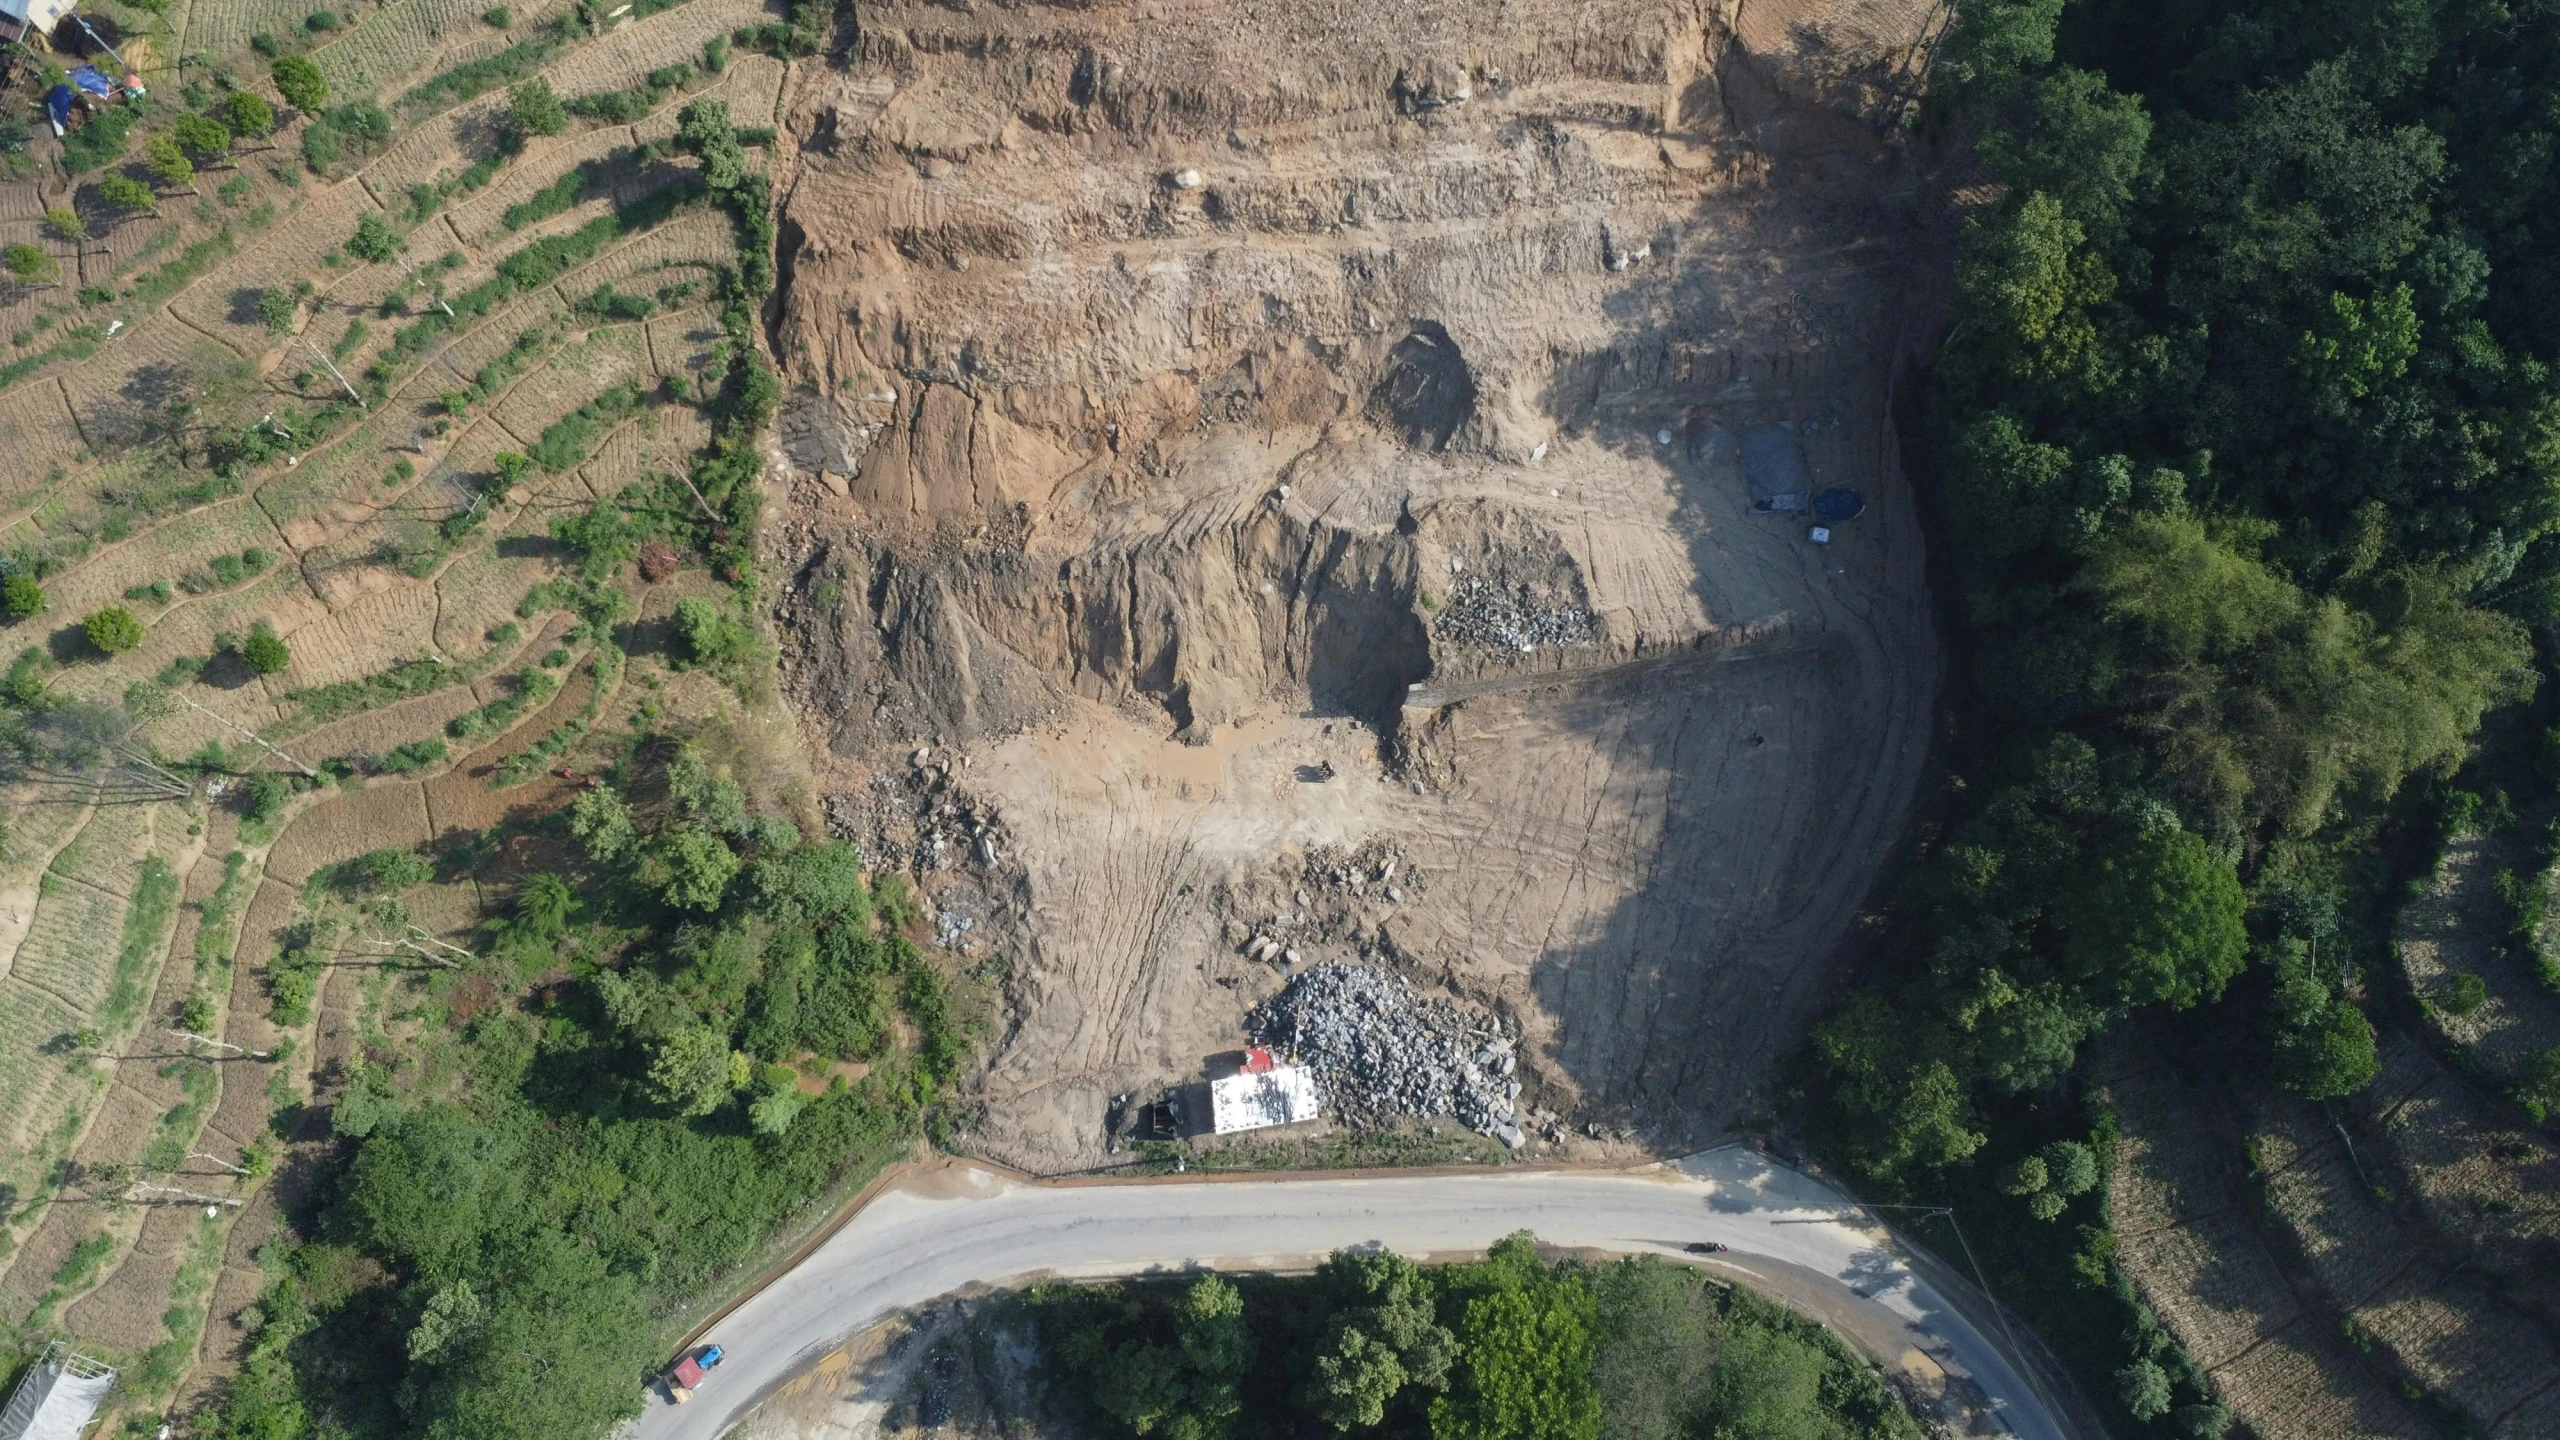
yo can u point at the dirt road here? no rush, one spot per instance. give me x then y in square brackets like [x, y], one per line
[1791, 1236]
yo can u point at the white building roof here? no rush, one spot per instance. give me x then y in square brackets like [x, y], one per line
[36, 14]
[61, 1394]
[1283, 1095]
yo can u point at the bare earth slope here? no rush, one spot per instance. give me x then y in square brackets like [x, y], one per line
[1226, 432]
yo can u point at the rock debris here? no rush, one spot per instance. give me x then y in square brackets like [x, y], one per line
[1517, 618]
[1382, 1050]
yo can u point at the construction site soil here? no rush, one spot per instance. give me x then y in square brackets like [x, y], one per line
[1226, 440]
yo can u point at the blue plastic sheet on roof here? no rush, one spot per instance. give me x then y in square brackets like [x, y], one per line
[88, 78]
[57, 102]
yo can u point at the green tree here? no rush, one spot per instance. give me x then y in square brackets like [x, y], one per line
[565, 1337]
[2028, 297]
[113, 630]
[2026, 1177]
[245, 112]
[20, 596]
[2158, 920]
[168, 163]
[695, 868]
[127, 194]
[265, 653]
[691, 1070]
[452, 1315]
[277, 307]
[202, 137]
[374, 239]
[425, 1186]
[1657, 1339]
[1769, 1387]
[2539, 1087]
[2324, 1045]
[535, 110]
[1524, 1359]
[1385, 1335]
[2144, 1388]
[30, 266]
[2071, 1168]
[301, 84]
[603, 825]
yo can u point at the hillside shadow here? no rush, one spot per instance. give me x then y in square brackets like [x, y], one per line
[1760, 768]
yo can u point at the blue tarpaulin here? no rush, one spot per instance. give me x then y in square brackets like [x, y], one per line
[88, 78]
[57, 103]
[1835, 505]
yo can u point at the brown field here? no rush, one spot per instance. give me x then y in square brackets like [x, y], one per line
[2189, 1240]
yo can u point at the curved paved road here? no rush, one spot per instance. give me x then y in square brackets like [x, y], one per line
[949, 1229]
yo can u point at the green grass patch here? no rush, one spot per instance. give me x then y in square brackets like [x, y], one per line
[475, 78]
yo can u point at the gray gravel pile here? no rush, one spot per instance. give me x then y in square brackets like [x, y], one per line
[1381, 1050]
[1496, 617]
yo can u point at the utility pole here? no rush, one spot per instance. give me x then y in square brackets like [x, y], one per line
[323, 357]
[256, 739]
[193, 1040]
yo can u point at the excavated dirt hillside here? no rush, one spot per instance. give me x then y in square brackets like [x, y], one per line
[1238, 445]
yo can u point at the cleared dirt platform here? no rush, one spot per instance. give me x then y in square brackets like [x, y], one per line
[1225, 440]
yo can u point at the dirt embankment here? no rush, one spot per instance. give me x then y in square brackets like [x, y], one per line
[1225, 433]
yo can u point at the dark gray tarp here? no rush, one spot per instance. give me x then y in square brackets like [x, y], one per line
[1773, 463]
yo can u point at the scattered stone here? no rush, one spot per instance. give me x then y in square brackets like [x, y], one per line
[1381, 1049]
[1493, 617]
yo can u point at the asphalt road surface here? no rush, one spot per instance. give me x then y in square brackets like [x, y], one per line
[1792, 1237]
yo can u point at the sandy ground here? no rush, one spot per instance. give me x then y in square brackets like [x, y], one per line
[1161, 449]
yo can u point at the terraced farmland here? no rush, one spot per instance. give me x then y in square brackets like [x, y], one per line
[170, 1040]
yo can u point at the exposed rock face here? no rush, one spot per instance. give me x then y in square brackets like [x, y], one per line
[1226, 373]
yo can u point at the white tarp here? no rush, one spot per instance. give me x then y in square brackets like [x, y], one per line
[58, 1398]
[1280, 1096]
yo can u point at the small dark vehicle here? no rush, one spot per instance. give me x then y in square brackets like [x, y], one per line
[1706, 1247]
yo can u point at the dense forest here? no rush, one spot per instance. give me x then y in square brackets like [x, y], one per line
[1506, 1348]
[2245, 438]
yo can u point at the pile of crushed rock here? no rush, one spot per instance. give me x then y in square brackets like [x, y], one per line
[1382, 1050]
[1516, 618]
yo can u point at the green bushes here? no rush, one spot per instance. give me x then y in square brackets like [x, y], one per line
[265, 653]
[21, 598]
[1508, 1347]
[301, 83]
[478, 77]
[112, 631]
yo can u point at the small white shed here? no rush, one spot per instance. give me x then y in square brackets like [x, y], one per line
[1282, 1095]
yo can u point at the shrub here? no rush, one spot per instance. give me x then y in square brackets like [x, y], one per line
[128, 194]
[499, 18]
[410, 758]
[205, 138]
[30, 266]
[300, 82]
[63, 223]
[380, 872]
[168, 162]
[247, 113]
[711, 635]
[264, 797]
[2463, 993]
[113, 630]
[276, 307]
[374, 239]
[321, 22]
[535, 110]
[21, 597]
[265, 653]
